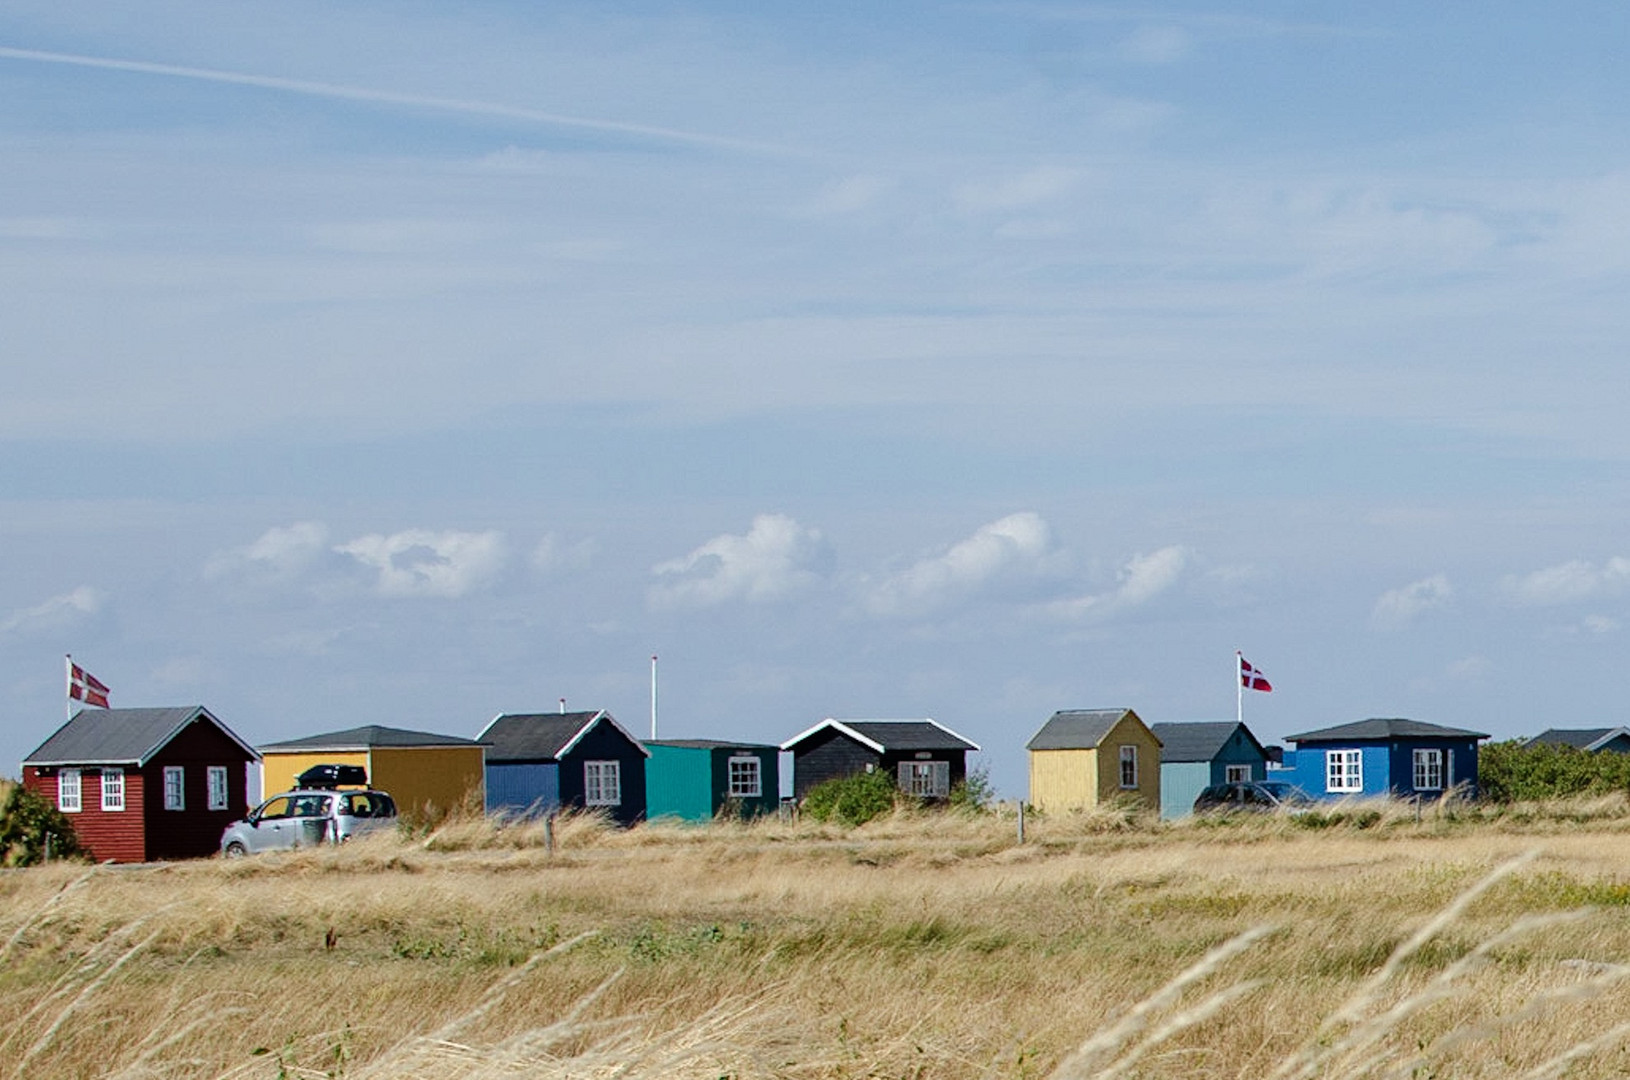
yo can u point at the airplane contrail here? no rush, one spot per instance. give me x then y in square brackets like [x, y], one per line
[386, 97]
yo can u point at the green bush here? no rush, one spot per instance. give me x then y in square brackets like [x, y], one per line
[1511, 772]
[973, 793]
[852, 800]
[28, 825]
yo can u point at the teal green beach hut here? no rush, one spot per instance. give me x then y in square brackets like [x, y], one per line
[698, 779]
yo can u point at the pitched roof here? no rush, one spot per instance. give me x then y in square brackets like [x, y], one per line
[367, 737]
[1385, 729]
[1077, 729]
[1578, 738]
[122, 736]
[1200, 740]
[884, 736]
[543, 736]
[710, 744]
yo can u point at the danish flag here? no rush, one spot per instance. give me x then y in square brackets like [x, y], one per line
[83, 686]
[1252, 679]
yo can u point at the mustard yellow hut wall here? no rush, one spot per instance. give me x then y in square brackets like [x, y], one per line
[429, 781]
[1063, 779]
[278, 770]
[1130, 732]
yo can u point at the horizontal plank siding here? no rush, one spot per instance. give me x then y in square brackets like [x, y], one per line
[195, 830]
[829, 755]
[523, 787]
[116, 836]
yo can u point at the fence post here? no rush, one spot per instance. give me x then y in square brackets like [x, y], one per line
[549, 835]
[1021, 821]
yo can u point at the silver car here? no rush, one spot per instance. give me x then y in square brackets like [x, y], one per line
[305, 818]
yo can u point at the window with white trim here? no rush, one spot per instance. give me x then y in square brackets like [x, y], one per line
[925, 779]
[1129, 767]
[1428, 770]
[745, 777]
[68, 791]
[217, 787]
[175, 787]
[1236, 774]
[602, 783]
[1344, 770]
[113, 789]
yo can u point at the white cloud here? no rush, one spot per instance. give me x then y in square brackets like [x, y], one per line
[1399, 607]
[1569, 582]
[1600, 624]
[1142, 579]
[57, 613]
[772, 561]
[1016, 541]
[280, 553]
[419, 562]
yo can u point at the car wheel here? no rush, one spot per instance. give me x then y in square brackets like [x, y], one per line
[235, 850]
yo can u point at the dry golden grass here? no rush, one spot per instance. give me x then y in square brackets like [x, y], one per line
[1369, 943]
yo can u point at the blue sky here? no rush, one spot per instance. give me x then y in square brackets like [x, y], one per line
[408, 364]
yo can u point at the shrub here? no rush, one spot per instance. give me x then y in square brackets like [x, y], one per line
[974, 792]
[1511, 772]
[29, 825]
[852, 800]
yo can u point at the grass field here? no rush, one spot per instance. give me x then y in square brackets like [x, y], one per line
[1468, 945]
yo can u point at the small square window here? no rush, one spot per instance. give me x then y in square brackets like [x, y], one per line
[113, 789]
[1428, 770]
[1344, 770]
[1237, 774]
[745, 781]
[602, 783]
[68, 791]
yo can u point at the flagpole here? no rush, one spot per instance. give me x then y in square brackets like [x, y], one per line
[68, 687]
[1239, 686]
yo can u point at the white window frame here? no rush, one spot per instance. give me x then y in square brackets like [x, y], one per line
[113, 790]
[1236, 774]
[925, 779]
[746, 777]
[219, 791]
[1129, 768]
[602, 783]
[69, 789]
[1344, 771]
[175, 787]
[1428, 769]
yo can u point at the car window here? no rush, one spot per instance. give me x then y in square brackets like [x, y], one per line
[357, 806]
[275, 808]
[312, 806]
[384, 805]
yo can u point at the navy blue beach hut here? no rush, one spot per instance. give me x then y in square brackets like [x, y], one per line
[1196, 755]
[1401, 758]
[699, 779]
[538, 763]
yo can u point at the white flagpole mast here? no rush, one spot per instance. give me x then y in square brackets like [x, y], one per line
[1239, 686]
[68, 688]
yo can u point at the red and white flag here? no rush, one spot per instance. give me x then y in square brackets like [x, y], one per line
[83, 686]
[1252, 679]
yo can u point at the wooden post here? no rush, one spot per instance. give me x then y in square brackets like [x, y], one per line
[549, 835]
[1021, 821]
